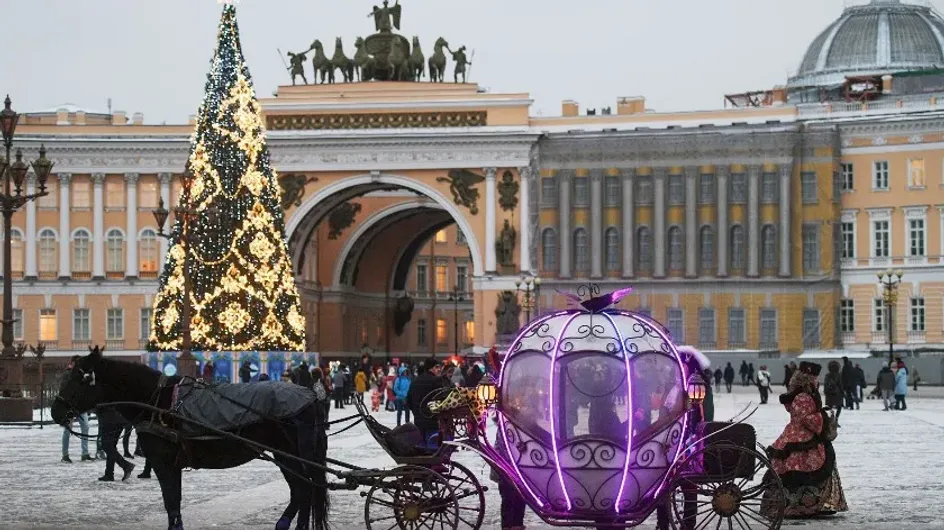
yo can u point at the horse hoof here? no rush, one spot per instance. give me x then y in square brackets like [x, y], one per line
[283, 524]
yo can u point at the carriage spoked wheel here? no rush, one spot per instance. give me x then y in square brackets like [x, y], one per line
[470, 494]
[411, 498]
[728, 486]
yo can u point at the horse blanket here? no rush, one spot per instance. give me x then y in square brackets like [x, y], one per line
[229, 407]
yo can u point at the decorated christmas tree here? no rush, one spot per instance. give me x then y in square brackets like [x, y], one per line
[242, 289]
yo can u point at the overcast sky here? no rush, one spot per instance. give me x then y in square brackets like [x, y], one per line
[152, 56]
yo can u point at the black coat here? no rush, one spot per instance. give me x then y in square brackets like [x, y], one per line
[245, 374]
[729, 374]
[849, 376]
[418, 399]
[832, 390]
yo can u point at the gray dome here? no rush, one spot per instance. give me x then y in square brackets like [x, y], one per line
[882, 37]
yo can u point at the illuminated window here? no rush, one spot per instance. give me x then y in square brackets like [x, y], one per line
[47, 325]
[148, 251]
[470, 331]
[441, 236]
[916, 173]
[440, 331]
[114, 193]
[47, 250]
[80, 252]
[442, 278]
[81, 191]
[115, 251]
[148, 193]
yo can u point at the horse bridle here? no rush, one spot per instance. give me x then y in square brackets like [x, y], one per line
[88, 379]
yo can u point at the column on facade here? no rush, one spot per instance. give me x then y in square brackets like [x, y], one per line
[786, 172]
[524, 223]
[628, 221]
[658, 222]
[691, 221]
[31, 271]
[490, 261]
[164, 179]
[65, 231]
[98, 226]
[565, 237]
[131, 187]
[753, 221]
[596, 224]
[721, 176]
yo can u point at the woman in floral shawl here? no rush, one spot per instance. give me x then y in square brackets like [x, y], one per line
[802, 456]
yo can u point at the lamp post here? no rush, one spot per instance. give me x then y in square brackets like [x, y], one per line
[530, 286]
[11, 200]
[889, 280]
[186, 363]
[455, 297]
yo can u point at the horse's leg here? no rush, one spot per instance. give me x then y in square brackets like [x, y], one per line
[285, 521]
[169, 477]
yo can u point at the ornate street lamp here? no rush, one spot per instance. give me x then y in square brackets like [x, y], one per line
[11, 200]
[455, 297]
[530, 286]
[889, 280]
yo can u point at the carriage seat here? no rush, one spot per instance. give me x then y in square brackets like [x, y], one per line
[406, 441]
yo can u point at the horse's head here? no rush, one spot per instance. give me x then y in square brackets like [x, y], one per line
[338, 43]
[416, 42]
[79, 392]
[317, 45]
[359, 42]
[441, 42]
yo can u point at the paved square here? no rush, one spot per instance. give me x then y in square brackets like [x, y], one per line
[890, 464]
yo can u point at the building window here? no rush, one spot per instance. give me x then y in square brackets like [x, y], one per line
[50, 200]
[581, 250]
[644, 190]
[114, 193]
[768, 329]
[811, 328]
[676, 189]
[916, 176]
[769, 188]
[115, 328]
[80, 252]
[768, 247]
[809, 188]
[676, 325]
[916, 237]
[811, 257]
[422, 278]
[470, 332]
[47, 325]
[737, 331]
[706, 327]
[612, 249]
[460, 237]
[441, 336]
[81, 327]
[115, 251]
[676, 249]
[549, 191]
[643, 249]
[878, 314]
[737, 247]
[17, 324]
[581, 191]
[176, 189]
[462, 278]
[706, 247]
[421, 332]
[880, 175]
[81, 193]
[441, 236]
[848, 240]
[148, 251]
[612, 191]
[47, 251]
[917, 314]
[846, 316]
[148, 193]
[845, 172]
[880, 238]
[737, 188]
[16, 250]
[145, 324]
[706, 188]
[442, 278]
[837, 186]
[549, 250]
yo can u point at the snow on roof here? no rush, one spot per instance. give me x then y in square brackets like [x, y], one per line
[71, 108]
[835, 354]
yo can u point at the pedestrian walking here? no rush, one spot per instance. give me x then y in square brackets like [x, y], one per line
[886, 384]
[401, 388]
[915, 378]
[110, 425]
[832, 388]
[860, 383]
[245, 372]
[763, 384]
[744, 371]
[750, 374]
[729, 376]
[66, 435]
[849, 381]
[718, 375]
[339, 382]
[901, 386]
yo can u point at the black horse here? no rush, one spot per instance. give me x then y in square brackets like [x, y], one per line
[93, 380]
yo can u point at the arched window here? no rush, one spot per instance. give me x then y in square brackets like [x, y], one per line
[549, 250]
[644, 249]
[612, 249]
[148, 251]
[737, 247]
[768, 246]
[115, 251]
[80, 251]
[16, 251]
[676, 249]
[47, 251]
[706, 247]
[581, 250]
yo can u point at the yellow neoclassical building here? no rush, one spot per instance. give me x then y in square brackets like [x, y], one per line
[757, 227]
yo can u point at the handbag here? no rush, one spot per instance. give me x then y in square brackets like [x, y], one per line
[831, 429]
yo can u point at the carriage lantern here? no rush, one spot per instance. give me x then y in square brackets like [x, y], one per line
[487, 393]
[696, 389]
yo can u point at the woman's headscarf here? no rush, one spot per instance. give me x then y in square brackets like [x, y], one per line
[804, 380]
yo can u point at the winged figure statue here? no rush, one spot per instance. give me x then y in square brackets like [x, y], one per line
[461, 182]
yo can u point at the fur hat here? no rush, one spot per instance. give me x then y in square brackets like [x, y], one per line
[811, 368]
[429, 364]
[693, 354]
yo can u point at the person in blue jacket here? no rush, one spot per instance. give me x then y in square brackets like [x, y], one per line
[401, 387]
[901, 386]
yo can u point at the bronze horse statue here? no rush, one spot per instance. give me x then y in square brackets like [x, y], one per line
[322, 64]
[400, 61]
[437, 62]
[417, 61]
[363, 61]
[343, 63]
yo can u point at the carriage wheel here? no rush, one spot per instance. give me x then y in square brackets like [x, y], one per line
[411, 498]
[469, 493]
[734, 488]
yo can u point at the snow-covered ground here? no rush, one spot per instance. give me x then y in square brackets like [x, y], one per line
[890, 463]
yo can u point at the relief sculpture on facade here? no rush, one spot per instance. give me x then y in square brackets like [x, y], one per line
[507, 314]
[508, 192]
[293, 189]
[461, 182]
[505, 246]
[341, 218]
